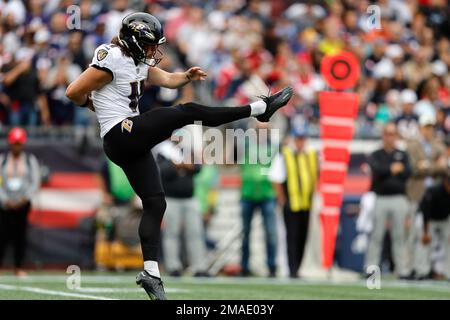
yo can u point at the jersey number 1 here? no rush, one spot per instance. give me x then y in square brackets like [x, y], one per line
[137, 89]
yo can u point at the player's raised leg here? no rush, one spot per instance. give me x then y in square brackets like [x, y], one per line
[158, 124]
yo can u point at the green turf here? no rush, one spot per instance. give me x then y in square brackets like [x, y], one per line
[121, 286]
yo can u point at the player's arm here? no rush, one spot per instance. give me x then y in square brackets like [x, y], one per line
[173, 80]
[91, 79]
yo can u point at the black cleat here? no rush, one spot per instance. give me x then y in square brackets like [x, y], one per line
[152, 285]
[275, 102]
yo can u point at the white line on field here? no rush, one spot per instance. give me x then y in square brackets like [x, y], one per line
[106, 289]
[52, 292]
[62, 278]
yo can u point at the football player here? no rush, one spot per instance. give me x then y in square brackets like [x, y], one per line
[112, 85]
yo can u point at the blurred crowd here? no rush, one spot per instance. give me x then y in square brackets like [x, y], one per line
[246, 46]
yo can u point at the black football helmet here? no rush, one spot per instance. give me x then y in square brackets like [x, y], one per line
[139, 30]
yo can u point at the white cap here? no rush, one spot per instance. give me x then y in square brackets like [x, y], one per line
[439, 68]
[41, 36]
[408, 96]
[384, 69]
[393, 95]
[217, 20]
[394, 51]
[427, 120]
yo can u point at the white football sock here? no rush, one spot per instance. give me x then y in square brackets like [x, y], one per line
[258, 107]
[152, 268]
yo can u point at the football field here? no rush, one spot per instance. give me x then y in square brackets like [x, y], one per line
[112, 286]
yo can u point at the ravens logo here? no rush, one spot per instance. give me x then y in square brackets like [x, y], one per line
[142, 30]
[101, 54]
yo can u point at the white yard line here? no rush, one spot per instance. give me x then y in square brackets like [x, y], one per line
[63, 279]
[434, 286]
[108, 290]
[114, 290]
[417, 285]
[52, 292]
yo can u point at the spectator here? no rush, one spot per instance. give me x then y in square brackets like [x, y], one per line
[331, 43]
[257, 193]
[408, 122]
[120, 9]
[440, 71]
[376, 55]
[16, 9]
[95, 38]
[435, 207]
[196, 40]
[21, 83]
[11, 33]
[447, 146]
[429, 98]
[89, 11]
[428, 159]
[62, 110]
[294, 187]
[58, 28]
[309, 83]
[20, 180]
[438, 16]
[389, 110]
[390, 171]
[442, 123]
[183, 216]
[75, 49]
[428, 163]
[35, 16]
[418, 69]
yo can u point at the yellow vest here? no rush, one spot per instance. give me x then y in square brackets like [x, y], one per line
[301, 172]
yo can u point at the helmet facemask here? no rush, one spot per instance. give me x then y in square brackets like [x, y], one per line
[155, 58]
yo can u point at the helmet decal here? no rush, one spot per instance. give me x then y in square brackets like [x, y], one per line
[138, 31]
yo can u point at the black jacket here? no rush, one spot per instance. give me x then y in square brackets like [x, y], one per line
[383, 182]
[176, 183]
[435, 204]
